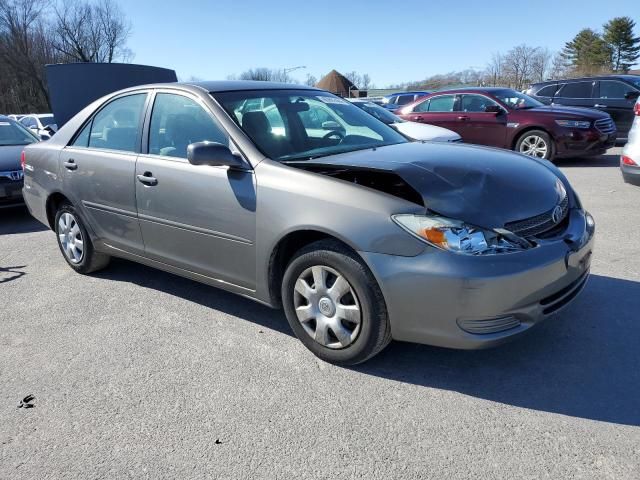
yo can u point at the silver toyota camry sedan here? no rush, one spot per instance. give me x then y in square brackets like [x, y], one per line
[358, 234]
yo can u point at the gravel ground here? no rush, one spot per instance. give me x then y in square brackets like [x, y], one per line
[141, 374]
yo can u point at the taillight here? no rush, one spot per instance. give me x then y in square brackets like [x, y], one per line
[636, 109]
[22, 160]
[628, 161]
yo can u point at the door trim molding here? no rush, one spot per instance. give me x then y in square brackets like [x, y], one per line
[191, 228]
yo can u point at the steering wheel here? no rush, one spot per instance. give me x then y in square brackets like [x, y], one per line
[334, 133]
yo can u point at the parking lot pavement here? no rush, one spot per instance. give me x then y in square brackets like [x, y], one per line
[141, 374]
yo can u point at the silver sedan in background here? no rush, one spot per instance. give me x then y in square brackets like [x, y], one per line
[360, 235]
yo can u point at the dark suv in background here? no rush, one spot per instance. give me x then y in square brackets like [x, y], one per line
[397, 100]
[613, 94]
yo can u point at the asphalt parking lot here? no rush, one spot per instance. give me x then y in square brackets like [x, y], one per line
[140, 374]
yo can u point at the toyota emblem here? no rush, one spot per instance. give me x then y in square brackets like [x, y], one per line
[556, 215]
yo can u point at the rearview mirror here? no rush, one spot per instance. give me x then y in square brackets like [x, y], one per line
[213, 154]
[331, 125]
[632, 95]
[493, 109]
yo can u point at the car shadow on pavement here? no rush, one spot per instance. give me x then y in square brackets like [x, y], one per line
[607, 160]
[205, 295]
[18, 220]
[583, 362]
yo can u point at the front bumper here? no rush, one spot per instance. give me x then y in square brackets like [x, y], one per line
[11, 193]
[432, 296]
[590, 142]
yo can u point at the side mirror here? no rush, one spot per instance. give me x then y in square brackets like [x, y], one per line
[213, 154]
[493, 109]
[632, 95]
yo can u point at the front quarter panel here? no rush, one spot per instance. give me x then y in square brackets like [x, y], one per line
[291, 199]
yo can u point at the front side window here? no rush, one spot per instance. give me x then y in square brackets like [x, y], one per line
[177, 122]
[443, 103]
[517, 100]
[312, 124]
[613, 89]
[548, 91]
[576, 90]
[116, 126]
[475, 103]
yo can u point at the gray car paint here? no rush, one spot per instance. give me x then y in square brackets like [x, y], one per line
[179, 229]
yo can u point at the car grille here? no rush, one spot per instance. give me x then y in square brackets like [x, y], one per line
[605, 125]
[540, 224]
[11, 176]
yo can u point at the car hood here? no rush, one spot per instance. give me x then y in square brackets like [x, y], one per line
[421, 131]
[482, 186]
[568, 112]
[10, 157]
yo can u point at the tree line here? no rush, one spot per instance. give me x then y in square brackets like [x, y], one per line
[614, 50]
[36, 33]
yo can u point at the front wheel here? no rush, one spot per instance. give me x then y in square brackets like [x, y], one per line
[536, 143]
[334, 305]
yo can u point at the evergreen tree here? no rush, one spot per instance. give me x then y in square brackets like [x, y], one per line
[587, 53]
[624, 47]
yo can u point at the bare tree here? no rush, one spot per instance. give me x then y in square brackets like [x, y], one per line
[494, 69]
[366, 82]
[354, 77]
[311, 80]
[541, 64]
[91, 32]
[265, 75]
[518, 65]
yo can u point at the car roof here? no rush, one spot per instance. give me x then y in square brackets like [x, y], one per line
[599, 77]
[412, 92]
[239, 85]
[473, 89]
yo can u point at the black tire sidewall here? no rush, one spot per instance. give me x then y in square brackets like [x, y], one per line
[374, 323]
[551, 147]
[83, 265]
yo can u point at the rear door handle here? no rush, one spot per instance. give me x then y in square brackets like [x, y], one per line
[417, 119]
[148, 179]
[599, 105]
[70, 164]
[463, 118]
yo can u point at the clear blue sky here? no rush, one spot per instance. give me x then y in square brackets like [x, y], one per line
[392, 41]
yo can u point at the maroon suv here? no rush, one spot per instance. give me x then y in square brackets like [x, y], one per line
[502, 117]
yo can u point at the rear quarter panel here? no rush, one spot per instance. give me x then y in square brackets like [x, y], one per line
[41, 177]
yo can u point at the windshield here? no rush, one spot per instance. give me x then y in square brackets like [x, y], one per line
[12, 133]
[379, 112]
[305, 124]
[516, 100]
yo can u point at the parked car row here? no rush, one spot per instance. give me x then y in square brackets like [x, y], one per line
[630, 159]
[42, 124]
[13, 138]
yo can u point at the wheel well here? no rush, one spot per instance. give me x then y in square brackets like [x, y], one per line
[528, 129]
[53, 203]
[284, 251]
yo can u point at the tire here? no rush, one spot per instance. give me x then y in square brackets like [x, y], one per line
[527, 142]
[328, 326]
[74, 242]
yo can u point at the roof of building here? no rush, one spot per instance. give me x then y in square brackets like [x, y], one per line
[337, 83]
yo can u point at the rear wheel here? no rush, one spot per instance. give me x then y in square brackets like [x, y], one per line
[536, 143]
[74, 242]
[334, 305]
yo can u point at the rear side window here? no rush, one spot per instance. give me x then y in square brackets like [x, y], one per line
[116, 126]
[548, 91]
[613, 89]
[177, 122]
[576, 90]
[405, 99]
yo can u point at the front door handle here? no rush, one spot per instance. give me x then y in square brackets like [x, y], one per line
[148, 179]
[417, 119]
[599, 105]
[70, 164]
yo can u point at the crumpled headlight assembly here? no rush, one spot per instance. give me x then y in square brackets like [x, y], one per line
[458, 237]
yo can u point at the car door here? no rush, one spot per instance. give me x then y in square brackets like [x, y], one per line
[479, 126]
[576, 94]
[439, 110]
[612, 98]
[198, 218]
[98, 169]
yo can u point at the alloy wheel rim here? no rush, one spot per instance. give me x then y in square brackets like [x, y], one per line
[535, 146]
[70, 237]
[327, 307]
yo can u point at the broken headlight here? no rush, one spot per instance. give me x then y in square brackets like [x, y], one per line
[458, 237]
